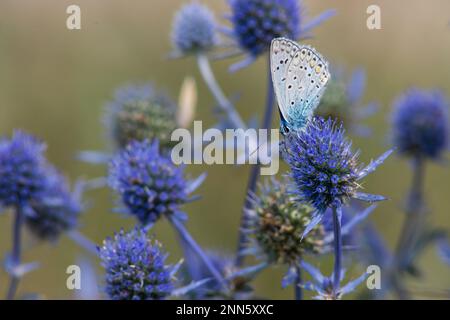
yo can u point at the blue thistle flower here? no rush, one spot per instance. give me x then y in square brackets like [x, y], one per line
[257, 22]
[342, 101]
[57, 211]
[323, 285]
[135, 267]
[22, 170]
[420, 123]
[194, 29]
[149, 184]
[140, 112]
[324, 167]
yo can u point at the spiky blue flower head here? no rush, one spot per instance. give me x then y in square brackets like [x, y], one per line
[57, 210]
[194, 29]
[149, 184]
[342, 100]
[256, 22]
[420, 123]
[140, 112]
[324, 167]
[22, 169]
[135, 267]
[323, 164]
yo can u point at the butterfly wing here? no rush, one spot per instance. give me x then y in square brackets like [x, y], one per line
[306, 78]
[281, 53]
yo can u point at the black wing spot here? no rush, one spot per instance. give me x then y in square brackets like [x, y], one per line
[284, 79]
[281, 61]
[285, 61]
[295, 78]
[289, 87]
[292, 103]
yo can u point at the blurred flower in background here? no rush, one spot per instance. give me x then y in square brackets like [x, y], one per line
[420, 123]
[194, 30]
[23, 170]
[256, 22]
[140, 112]
[58, 210]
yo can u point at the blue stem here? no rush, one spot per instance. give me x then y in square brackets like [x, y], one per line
[83, 242]
[188, 240]
[412, 226]
[16, 253]
[297, 285]
[222, 101]
[254, 172]
[337, 251]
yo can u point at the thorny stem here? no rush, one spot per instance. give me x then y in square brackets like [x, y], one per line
[16, 253]
[337, 251]
[412, 225]
[223, 103]
[254, 172]
[187, 239]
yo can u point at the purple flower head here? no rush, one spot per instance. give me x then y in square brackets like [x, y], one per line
[57, 211]
[194, 29]
[135, 267]
[22, 170]
[256, 22]
[324, 167]
[420, 123]
[149, 184]
[277, 221]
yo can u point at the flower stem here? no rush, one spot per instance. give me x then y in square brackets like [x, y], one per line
[81, 240]
[222, 101]
[298, 291]
[254, 171]
[337, 251]
[187, 239]
[413, 223]
[16, 253]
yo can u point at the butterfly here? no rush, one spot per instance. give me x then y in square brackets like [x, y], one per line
[299, 75]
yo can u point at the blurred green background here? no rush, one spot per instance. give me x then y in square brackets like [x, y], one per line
[54, 83]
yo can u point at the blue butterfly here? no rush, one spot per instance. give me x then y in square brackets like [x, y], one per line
[300, 75]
